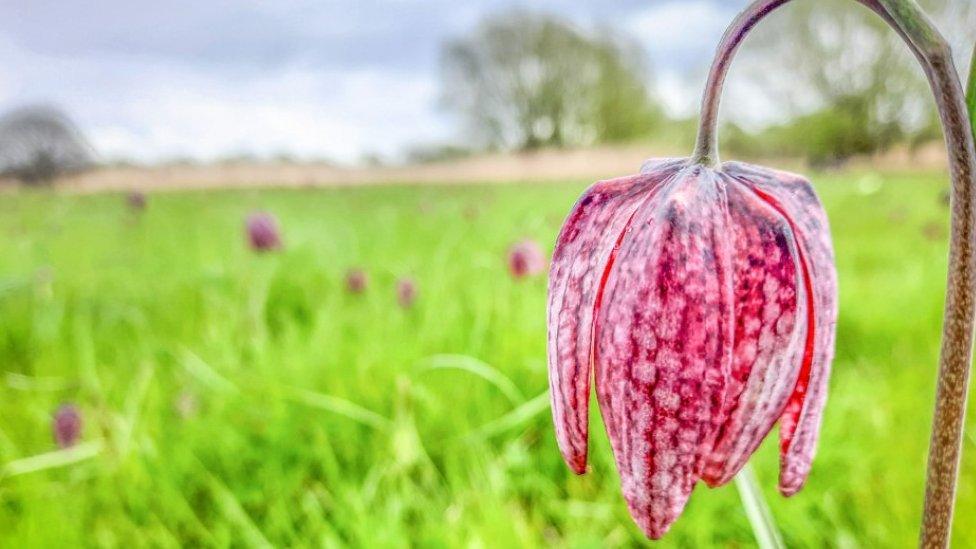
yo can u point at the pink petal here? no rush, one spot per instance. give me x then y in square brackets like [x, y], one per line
[583, 251]
[663, 345]
[794, 197]
[770, 330]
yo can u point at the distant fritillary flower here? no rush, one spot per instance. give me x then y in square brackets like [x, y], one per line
[406, 292]
[356, 281]
[526, 259]
[262, 232]
[66, 426]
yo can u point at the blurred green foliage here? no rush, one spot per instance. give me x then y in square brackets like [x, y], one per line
[235, 399]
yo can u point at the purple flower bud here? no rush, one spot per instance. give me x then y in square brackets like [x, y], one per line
[526, 259]
[262, 232]
[136, 200]
[406, 292]
[356, 281]
[66, 426]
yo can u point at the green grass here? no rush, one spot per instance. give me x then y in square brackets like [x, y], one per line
[326, 419]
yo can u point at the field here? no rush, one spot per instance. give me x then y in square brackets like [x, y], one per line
[239, 399]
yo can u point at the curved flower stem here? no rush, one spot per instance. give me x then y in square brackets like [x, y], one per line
[933, 53]
[971, 92]
[706, 148]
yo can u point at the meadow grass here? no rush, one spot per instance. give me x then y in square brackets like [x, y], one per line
[238, 399]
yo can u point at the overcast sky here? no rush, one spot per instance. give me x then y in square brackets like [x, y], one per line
[314, 78]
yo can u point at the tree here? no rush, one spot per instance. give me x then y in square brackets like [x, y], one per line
[850, 85]
[38, 144]
[526, 80]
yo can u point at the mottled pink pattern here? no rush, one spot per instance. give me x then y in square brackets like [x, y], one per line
[793, 196]
[705, 300]
[663, 345]
[582, 253]
[770, 306]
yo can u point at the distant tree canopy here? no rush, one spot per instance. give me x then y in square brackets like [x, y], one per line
[849, 82]
[526, 80]
[38, 144]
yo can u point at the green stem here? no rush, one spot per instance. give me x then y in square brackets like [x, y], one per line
[971, 93]
[760, 518]
[933, 53]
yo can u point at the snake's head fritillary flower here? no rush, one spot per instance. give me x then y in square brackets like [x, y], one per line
[356, 281]
[406, 290]
[66, 425]
[262, 232]
[703, 302]
[136, 200]
[526, 259]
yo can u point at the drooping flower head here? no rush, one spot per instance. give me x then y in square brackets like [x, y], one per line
[356, 281]
[406, 290]
[263, 233]
[526, 259]
[66, 425]
[703, 302]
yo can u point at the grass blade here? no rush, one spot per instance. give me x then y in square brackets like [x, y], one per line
[21, 382]
[761, 519]
[232, 510]
[53, 460]
[517, 417]
[342, 407]
[205, 373]
[477, 368]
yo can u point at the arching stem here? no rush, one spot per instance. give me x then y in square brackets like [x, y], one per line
[706, 148]
[971, 92]
[933, 54]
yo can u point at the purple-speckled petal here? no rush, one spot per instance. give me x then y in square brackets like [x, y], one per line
[663, 345]
[793, 196]
[770, 330]
[583, 250]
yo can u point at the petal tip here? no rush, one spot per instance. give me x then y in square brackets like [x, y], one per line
[654, 529]
[790, 489]
[791, 482]
[577, 463]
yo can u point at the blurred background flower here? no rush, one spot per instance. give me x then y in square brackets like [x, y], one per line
[263, 232]
[356, 281]
[525, 259]
[66, 425]
[406, 291]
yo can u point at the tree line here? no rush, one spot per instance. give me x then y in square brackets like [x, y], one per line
[525, 80]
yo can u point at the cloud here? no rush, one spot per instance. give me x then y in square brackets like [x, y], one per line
[152, 110]
[336, 79]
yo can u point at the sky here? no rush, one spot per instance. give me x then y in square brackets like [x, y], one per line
[322, 79]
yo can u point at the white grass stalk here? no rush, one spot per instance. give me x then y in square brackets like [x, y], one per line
[763, 525]
[477, 368]
[516, 418]
[52, 460]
